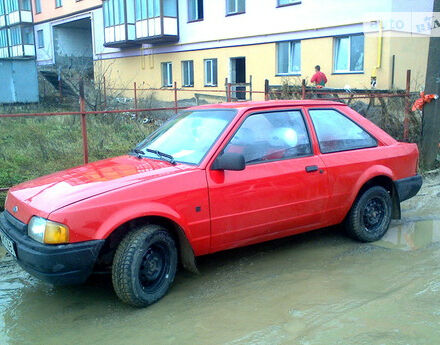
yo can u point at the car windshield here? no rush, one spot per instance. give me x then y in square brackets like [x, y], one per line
[187, 137]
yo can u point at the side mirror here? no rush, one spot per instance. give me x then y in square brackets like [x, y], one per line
[229, 161]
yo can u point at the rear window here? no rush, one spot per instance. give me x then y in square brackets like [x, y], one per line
[337, 133]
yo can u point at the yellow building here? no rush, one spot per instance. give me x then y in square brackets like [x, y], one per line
[200, 43]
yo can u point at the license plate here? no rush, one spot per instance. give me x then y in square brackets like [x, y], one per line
[8, 244]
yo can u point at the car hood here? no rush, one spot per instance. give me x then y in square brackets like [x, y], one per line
[49, 193]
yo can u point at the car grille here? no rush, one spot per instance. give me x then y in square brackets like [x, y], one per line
[9, 223]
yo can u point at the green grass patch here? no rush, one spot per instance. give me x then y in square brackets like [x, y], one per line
[33, 147]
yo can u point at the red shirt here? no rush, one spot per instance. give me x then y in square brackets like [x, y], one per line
[319, 78]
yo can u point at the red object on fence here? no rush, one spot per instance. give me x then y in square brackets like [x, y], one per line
[420, 103]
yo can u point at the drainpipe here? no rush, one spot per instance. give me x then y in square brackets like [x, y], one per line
[379, 56]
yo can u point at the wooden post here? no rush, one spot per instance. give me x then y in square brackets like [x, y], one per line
[303, 89]
[175, 97]
[105, 92]
[82, 109]
[228, 92]
[135, 96]
[407, 106]
[266, 89]
[431, 111]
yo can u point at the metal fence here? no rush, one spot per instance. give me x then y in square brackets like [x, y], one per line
[230, 93]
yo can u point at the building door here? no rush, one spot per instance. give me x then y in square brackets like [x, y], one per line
[238, 76]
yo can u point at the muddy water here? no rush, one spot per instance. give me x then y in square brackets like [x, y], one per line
[316, 288]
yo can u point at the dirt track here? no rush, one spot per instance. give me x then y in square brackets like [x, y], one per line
[316, 288]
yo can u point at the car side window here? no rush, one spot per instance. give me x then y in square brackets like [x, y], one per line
[337, 133]
[271, 136]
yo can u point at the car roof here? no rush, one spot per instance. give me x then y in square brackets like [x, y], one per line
[269, 104]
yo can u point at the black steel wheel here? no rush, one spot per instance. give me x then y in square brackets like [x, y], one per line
[370, 215]
[144, 266]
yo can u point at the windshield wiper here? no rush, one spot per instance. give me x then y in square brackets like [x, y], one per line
[162, 154]
[139, 153]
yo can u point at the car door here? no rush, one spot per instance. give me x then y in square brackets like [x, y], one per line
[283, 189]
[347, 151]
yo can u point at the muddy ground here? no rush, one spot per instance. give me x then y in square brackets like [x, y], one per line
[315, 288]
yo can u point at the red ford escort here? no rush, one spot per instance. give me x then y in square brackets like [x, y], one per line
[212, 178]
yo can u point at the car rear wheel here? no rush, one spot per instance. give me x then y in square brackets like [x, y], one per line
[370, 215]
[144, 266]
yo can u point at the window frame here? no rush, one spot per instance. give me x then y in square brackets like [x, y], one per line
[184, 62]
[294, 2]
[37, 6]
[58, 3]
[39, 45]
[236, 5]
[169, 68]
[247, 115]
[212, 84]
[349, 71]
[294, 73]
[350, 119]
[197, 7]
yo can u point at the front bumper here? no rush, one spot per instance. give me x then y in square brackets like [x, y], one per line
[65, 264]
[408, 187]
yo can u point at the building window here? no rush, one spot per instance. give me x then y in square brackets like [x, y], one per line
[114, 12]
[349, 54]
[3, 38]
[187, 73]
[38, 6]
[235, 6]
[211, 72]
[28, 35]
[15, 36]
[195, 10]
[11, 6]
[40, 39]
[58, 3]
[288, 2]
[289, 57]
[167, 74]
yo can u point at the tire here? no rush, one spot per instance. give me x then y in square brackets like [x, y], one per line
[144, 266]
[370, 215]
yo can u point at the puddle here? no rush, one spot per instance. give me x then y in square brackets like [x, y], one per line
[299, 290]
[411, 235]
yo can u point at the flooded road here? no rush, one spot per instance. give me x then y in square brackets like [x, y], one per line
[316, 288]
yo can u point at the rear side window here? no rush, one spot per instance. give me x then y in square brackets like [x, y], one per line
[271, 136]
[338, 133]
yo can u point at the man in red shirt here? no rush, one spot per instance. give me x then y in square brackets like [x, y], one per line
[319, 78]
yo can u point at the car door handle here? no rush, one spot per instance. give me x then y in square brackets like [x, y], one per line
[311, 168]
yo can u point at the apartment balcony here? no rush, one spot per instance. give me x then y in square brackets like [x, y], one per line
[130, 24]
[17, 42]
[13, 12]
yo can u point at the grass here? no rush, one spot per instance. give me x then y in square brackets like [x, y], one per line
[33, 147]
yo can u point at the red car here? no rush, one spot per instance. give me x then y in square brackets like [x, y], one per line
[212, 178]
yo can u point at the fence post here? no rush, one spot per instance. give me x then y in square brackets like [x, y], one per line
[303, 89]
[175, 97]
[228, 92]
[82, 109]
[135, 96]
[407, 106]
[250, 88]
[60, 88]
[266, 89]
[105, 92]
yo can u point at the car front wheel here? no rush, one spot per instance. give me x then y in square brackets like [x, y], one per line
[144, 266]
[370, 215]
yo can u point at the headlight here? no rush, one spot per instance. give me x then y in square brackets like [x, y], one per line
[46, 231]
